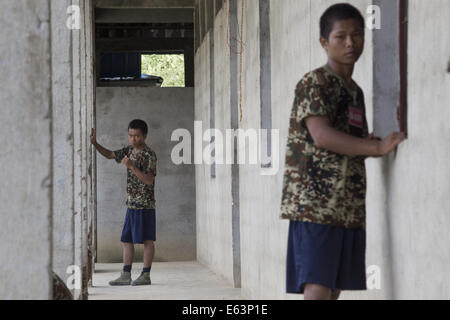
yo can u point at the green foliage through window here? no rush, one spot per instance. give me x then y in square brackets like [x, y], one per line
[170, 67]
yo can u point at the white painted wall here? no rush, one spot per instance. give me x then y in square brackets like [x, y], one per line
[214, 219]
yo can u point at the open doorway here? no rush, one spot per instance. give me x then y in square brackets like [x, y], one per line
[144, 70]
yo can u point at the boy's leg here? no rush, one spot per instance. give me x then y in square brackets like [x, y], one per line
[316, 292]
[149, 253]
[125, 276]
[128, 253]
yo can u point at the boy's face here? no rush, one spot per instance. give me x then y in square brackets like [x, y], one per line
[136, 138]
[345, 43]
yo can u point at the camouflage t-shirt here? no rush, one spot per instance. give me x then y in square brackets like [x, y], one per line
[139, 194]
[321, 186]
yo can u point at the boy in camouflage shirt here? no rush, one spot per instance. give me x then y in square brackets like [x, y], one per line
[324, 185]
[140, 222]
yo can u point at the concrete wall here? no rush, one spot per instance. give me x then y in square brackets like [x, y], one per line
[416, 179]
[164, 110]
[406, 199]
[82, 117]
[214, 202]
[295, 49]
[46, 101]
[257, 198]
[48, 91]
[26, 159]
[386, 91]
[407, 218]
[47, 87]
[63, 193]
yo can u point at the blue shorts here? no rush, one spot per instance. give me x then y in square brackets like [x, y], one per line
[139, 226]
[321, 254]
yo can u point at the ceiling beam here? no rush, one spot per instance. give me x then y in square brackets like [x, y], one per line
[150, 45]
[122, 4]
[179, 15]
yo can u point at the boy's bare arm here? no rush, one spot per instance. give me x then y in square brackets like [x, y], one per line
[326, 137]
[108, 154]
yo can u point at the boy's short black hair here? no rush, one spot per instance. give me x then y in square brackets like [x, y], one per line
[139, 124]
[339, 11]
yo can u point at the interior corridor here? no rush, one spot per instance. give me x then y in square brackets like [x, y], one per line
[220, 178]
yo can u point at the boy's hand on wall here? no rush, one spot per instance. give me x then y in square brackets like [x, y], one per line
[387, 145]
[127, 162]
[93, 137]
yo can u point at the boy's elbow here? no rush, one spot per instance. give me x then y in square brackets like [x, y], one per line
[318, 142]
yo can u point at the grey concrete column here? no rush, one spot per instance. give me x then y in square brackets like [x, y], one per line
[234, 104]
[386, 82]
[95, 70]
[89, 25]
[197, 26]
[386, 98]
[63, 196]
[84, 201]
[212, 102]
[26, 157]
[77, 144]
[265, 82]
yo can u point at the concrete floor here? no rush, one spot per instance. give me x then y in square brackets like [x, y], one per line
[170, 281]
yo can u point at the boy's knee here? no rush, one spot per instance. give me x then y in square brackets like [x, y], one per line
[317, 292]
[128, 244]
